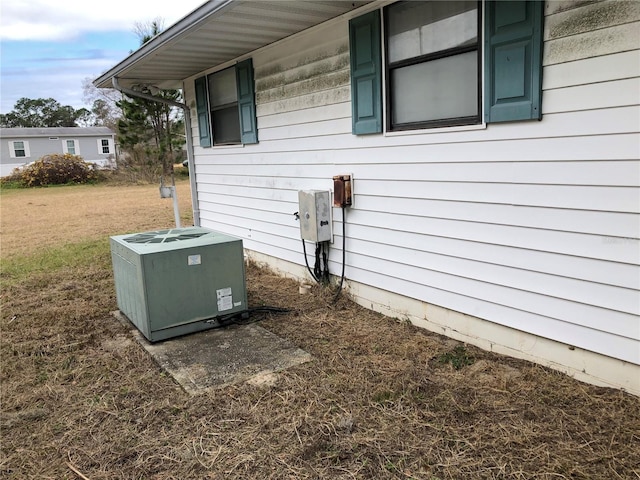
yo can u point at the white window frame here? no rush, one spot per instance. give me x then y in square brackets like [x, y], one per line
[110, 146]
[76, 146]
[12, 149]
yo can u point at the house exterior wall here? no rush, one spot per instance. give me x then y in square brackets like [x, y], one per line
[87, 148]
[529, 228]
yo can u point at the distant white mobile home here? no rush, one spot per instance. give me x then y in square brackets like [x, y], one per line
[19, 146]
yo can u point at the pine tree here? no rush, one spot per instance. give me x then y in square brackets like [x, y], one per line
[150, 131]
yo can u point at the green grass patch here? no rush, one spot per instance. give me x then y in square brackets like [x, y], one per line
[10, 185]
[73, 255]
[458, 358]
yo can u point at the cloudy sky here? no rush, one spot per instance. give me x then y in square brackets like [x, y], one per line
[48, 47]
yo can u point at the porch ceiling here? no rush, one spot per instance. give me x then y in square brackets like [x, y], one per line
[216, 32]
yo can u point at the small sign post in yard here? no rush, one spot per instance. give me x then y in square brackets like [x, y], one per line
[171, 192]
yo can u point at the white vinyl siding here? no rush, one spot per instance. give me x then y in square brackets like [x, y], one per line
[533, 225]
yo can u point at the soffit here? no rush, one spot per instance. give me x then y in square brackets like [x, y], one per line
[217, 32]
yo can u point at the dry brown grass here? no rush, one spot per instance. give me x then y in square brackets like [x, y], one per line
[33, 219]
[81, 399]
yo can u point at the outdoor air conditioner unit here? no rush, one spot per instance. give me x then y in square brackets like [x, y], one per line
[178, 281]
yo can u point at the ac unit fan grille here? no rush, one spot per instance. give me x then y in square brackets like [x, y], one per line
[163, 236]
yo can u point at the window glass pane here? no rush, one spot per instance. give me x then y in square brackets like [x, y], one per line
[226, 125]
[18, 149]
[223, 101]
[440, 89]
[71, 147]
[420, 28]
[222, 88]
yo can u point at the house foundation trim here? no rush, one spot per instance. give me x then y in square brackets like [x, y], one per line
[583, 365]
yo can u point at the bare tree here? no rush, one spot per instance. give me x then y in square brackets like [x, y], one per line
[145, 31]
[104, 104]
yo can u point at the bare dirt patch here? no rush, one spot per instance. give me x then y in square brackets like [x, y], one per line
[381, 399]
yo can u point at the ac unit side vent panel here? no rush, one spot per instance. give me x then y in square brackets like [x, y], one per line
[170, 282]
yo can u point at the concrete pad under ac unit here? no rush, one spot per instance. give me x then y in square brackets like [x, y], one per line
[223, 356]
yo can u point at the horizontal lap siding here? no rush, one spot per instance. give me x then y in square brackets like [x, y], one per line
[532, 225]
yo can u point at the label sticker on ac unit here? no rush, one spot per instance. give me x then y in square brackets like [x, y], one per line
[225, 299]
[194, 260]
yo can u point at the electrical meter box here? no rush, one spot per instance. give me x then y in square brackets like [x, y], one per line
[178, 281]
[315, 215]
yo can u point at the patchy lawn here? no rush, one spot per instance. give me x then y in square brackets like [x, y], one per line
[381, 399]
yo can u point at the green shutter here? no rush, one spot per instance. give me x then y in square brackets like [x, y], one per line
[246, 102]
[203, 112]
[513, 60]
[366, 73]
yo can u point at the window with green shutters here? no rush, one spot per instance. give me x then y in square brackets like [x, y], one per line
[225, 103]
[433, 71]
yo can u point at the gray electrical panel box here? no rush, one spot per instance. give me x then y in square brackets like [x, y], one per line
[178, 281]
[315, 215]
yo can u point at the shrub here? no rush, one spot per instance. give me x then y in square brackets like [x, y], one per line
[57, 169]
[180, 171]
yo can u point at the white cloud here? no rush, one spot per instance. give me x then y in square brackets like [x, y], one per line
[65, 19]
[49, 47]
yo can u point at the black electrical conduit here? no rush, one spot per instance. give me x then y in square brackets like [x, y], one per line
[243, 318]
[335, 299]
[318, 274]
[306, 261]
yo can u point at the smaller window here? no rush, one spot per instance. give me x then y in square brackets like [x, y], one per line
[105, 146]
[71, 147]
[53, 138]
[19, 149]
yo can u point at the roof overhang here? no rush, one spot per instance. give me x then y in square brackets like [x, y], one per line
[218, 32]
[29, 132]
